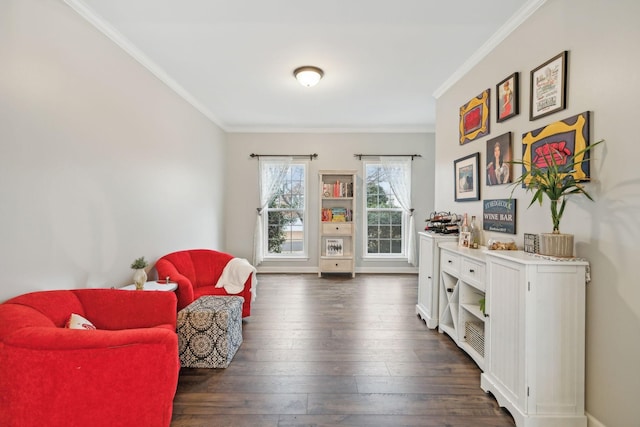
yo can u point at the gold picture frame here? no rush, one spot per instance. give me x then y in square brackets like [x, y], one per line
[562, 139]
[475, 118]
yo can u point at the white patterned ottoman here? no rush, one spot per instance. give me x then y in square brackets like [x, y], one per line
[210, 331]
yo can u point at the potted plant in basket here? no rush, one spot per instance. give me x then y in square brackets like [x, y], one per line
[554, 180]
[140, 275]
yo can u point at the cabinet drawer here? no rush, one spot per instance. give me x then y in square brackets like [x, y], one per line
[337, 265]
[473, 273]
[337, 228]
[449, 261]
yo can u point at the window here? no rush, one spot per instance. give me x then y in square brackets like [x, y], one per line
[285, 213]
[384, 216]
[388, 213]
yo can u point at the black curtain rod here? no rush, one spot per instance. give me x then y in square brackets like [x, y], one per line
[360, 156]
[310, 156]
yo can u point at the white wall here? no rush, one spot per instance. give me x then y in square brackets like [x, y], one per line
[601, 37]
[335, 151]
[100, 163]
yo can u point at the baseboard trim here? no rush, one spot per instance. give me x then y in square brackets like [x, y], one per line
[593, 421]
[288, 269]
[314, 270]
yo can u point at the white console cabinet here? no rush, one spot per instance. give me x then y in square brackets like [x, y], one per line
[535, 334]
[428, 276]
[462, 288]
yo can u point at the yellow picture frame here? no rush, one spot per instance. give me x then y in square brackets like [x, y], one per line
[475, 118]
[568, 136]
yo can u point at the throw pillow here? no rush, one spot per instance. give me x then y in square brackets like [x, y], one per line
[78, 322]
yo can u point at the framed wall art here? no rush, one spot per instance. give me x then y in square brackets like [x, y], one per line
[466, 178]
[562, 140]
[508, 98]
[549, 87]
[499, 155]
[499, 215]
[474, 118]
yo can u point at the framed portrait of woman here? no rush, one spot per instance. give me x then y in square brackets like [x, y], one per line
[499, 155]
[508, 98]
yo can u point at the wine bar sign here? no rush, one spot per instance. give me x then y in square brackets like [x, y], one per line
[499, 215]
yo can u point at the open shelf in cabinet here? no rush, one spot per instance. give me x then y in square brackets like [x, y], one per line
[462, 281]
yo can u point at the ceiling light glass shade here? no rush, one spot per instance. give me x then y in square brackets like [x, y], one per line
[308, 76]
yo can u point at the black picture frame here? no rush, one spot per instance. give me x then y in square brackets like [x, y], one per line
[499, 155]
[466, 180]
[508, 98]
[548, 89]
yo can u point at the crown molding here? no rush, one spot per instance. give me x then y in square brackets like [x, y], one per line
[328, 130]
[516, 20]
[114, 35]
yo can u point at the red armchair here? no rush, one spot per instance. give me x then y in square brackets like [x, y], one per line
[124, 373]
[196, 272]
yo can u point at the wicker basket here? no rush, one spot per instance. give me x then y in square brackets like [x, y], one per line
[474, 335]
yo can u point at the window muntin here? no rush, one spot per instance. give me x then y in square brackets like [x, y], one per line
[284, 219]
[385, 218]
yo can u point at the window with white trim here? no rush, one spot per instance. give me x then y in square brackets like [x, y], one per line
[284, 216]
[384, 218]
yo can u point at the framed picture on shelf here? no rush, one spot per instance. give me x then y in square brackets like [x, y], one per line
[548, 87]
[334, 247]
[508, 98]
[474, 118]
[466, 178]
[463, 239]
[562, 140]
[499, 154]
[531, 243]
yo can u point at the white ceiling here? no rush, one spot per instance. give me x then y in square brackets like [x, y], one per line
[383, 60]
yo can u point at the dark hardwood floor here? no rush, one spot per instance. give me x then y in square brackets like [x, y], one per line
[337, 351]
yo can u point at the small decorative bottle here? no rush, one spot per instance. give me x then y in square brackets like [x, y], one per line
[475, 234]
[465, 224]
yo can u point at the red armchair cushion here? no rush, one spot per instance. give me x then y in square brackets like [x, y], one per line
[196, 272]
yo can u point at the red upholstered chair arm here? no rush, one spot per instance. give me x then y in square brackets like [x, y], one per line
[248, 297]
[184, 292]
[116, 309]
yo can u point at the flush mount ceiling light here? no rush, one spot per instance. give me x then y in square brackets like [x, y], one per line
[308, 75]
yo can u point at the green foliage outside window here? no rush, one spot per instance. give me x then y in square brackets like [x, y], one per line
[384, 217]
[285, 210]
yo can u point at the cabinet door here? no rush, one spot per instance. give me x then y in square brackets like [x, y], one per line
[506, 297]
[426, 279]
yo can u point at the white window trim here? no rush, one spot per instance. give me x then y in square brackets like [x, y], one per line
[365, 241]
[305, 255]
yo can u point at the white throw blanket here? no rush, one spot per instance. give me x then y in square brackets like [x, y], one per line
[235, 274]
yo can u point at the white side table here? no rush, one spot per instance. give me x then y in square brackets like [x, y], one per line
[153, 286]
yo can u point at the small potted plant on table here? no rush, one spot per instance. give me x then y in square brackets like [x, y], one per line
[140, 275]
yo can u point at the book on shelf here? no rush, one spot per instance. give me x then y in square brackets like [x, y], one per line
[337, 189]
[336, 215]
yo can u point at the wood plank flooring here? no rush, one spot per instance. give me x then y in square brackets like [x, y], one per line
[337, 351]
